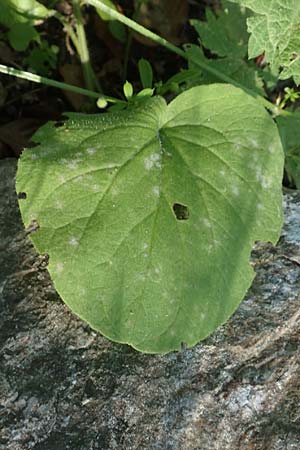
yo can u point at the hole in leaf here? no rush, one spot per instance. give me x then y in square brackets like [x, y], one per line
[181, 211]
[22, 195]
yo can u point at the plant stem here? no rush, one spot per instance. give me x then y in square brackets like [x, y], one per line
[135, 26]
[57, 84]
[68, 28]
[159, 40]
[82, 49]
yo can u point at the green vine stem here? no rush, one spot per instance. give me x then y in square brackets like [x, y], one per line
[88, 73]
[159, 40]
[57, 84]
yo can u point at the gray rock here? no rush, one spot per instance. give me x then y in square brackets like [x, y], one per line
[62, 386]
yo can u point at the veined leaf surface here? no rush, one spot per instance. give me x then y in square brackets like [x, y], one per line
[225, 34]
[275, 31]
[149, 215]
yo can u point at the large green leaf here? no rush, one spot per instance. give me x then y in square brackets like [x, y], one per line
[275, 31]
[149, 215]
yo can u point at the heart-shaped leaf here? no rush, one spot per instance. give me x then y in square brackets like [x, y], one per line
[149, 215]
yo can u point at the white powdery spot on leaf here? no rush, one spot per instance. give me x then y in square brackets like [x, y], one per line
[265, 182]
[216, 243]
[153, 161]
[59, 267]
[156, 191]
[91, 151]
[272, 149]
[235, 190]
[254, 143]
[206, 223]
[62, 179]
[72, 165]
[140, 277]
[111, 166]
[59, 204]
[73, 241]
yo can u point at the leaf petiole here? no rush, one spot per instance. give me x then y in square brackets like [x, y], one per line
[57, 84]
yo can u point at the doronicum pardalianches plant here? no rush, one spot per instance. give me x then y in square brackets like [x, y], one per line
[149, 214]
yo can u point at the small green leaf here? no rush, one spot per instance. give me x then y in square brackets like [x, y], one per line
[118, 30]
[128, 90]
[145, 93]
[149, 215]
[21, 34]
[42, 58]
[146, 73]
